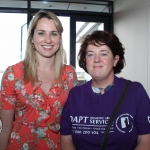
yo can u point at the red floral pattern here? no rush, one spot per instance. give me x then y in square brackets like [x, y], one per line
[37, 115]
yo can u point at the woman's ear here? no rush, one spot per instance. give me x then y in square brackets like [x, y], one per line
[116, 59]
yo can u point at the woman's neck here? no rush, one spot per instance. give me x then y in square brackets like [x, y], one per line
[46, 64]
[102, 83]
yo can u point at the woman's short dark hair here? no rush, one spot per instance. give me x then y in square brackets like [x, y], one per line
[102, 38]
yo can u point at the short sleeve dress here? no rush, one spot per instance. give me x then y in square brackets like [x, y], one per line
[37, 115]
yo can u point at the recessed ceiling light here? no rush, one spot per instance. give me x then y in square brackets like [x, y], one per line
[45, 2]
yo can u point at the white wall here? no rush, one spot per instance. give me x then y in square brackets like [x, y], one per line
[132, 26]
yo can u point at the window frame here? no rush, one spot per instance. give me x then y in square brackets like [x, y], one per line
[106, 18]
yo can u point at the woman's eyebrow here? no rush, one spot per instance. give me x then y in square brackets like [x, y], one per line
[104, 50]
[54, 31]
[45, 30]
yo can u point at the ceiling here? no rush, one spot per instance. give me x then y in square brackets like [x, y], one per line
[78, 5]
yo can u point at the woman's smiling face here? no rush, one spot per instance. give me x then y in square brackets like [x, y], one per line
[100, 62]
[46, 38]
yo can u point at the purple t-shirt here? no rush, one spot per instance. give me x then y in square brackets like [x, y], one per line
[86, 115]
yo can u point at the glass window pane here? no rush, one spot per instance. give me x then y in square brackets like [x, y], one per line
[82, 30]
[66, 35]
[10, 38]
[23, 40]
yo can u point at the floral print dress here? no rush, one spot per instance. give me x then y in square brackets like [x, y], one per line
[37, 115]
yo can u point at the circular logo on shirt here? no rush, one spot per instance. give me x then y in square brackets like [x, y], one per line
[124, 123]
[0, 126]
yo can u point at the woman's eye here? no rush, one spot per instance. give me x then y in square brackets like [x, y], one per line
[90, 55]
[40, 33]
[104, 54]
[54, 34]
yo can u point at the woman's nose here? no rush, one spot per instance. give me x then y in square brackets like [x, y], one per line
[96, 58]
[48, 39]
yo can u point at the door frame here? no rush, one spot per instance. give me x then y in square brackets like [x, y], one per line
[108, 26]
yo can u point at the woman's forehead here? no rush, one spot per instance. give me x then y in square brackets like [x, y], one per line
[103, 46]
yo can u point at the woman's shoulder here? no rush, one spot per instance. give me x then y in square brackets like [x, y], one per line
[68, 67]
[18, 65]
[133, 84]
[15, 68]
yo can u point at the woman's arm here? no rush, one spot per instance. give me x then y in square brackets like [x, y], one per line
[6, 117]
[143, 142]
[66, 142]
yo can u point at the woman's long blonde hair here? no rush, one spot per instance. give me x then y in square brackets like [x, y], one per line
[30, 61]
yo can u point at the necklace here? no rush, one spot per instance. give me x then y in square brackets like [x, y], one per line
[101, 91]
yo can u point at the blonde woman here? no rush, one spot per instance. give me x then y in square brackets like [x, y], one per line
[36, 89]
